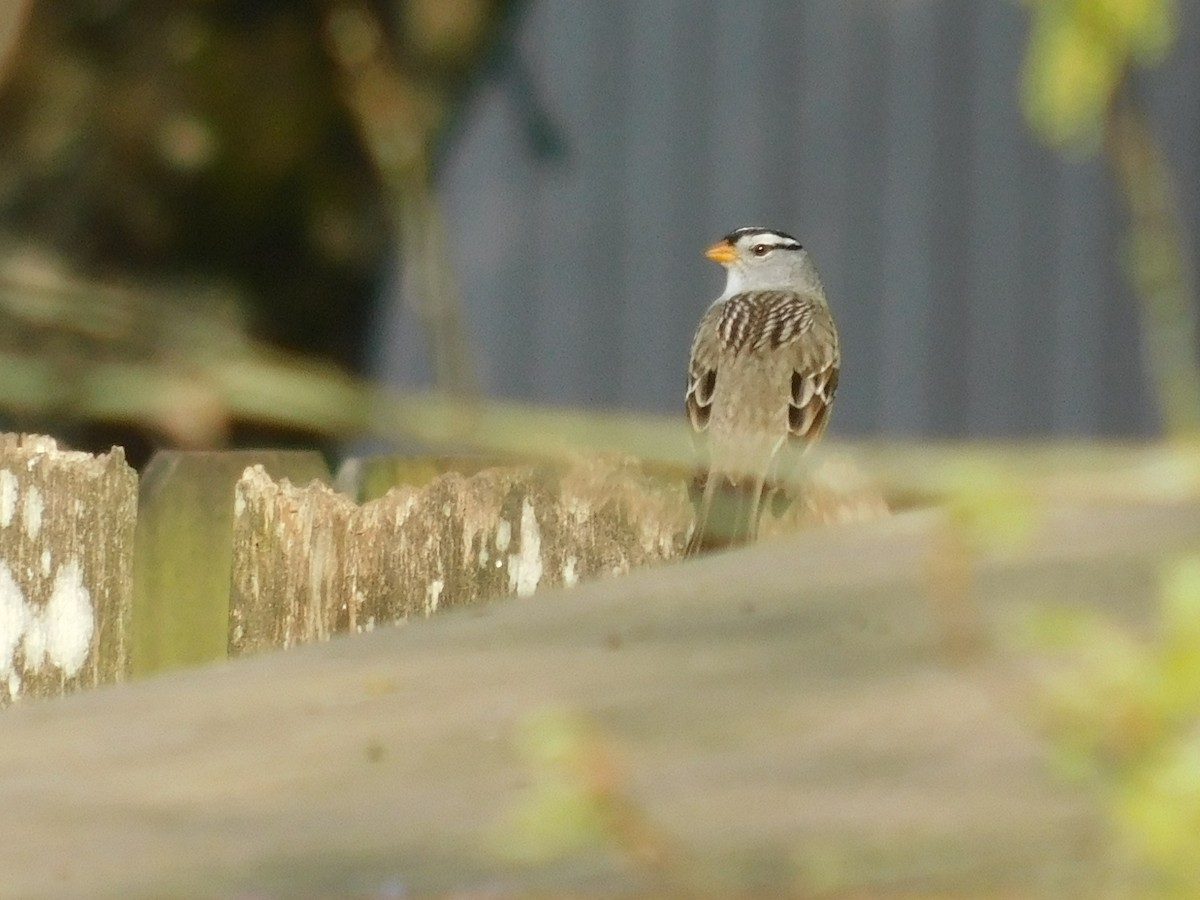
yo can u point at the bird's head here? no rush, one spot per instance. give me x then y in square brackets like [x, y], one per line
[764, 259]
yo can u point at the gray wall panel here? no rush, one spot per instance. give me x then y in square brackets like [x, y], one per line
[976, 276]
[908, 254]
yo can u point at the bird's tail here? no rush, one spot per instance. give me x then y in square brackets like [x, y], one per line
[728, 513]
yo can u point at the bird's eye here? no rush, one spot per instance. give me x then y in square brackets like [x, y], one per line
[760, 249]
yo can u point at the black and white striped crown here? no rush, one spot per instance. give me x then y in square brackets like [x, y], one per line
[778, 239]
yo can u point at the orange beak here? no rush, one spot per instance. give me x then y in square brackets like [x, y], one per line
[721, 252]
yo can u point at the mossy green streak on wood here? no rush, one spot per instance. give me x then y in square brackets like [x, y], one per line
[183, 551]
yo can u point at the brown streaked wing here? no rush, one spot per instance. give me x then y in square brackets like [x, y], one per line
[702, 371]
[816, 360]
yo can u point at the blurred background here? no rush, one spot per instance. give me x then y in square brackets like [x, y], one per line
[211, 211]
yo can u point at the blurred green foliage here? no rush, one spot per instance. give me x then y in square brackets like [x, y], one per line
[560, 811]
[578, 798]
[160, 155]
[1123, 711]
[1079, 52]
[1076, 95]
[989, 508]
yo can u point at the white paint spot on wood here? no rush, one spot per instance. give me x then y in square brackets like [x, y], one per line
[32, 513]
[14, 619]
[46, 562]
[525, 566]
[10, 491]
[433, 594]
[503, 535]
[570, 574]
[62, 632]
[580, 511]
[71, 619]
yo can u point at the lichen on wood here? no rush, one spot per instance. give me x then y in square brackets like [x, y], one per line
[66, 563]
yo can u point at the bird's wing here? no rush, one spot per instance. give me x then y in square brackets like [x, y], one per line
[815, 363]
[702, 370]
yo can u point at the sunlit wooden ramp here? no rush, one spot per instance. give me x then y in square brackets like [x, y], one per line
[801, 717]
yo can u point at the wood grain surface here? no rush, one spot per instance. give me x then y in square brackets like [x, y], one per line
[791, 718]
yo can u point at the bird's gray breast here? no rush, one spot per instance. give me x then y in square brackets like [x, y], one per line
[763, 320]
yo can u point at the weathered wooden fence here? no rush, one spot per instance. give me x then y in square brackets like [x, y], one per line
[309, 562]
[231, 552]
[846, 714]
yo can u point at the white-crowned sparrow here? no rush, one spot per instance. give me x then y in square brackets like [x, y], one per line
[763, 372]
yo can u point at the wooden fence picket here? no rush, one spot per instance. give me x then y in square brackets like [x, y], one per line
[66, 564]
[185, 523]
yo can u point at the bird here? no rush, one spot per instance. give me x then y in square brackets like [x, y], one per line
[761, 378]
